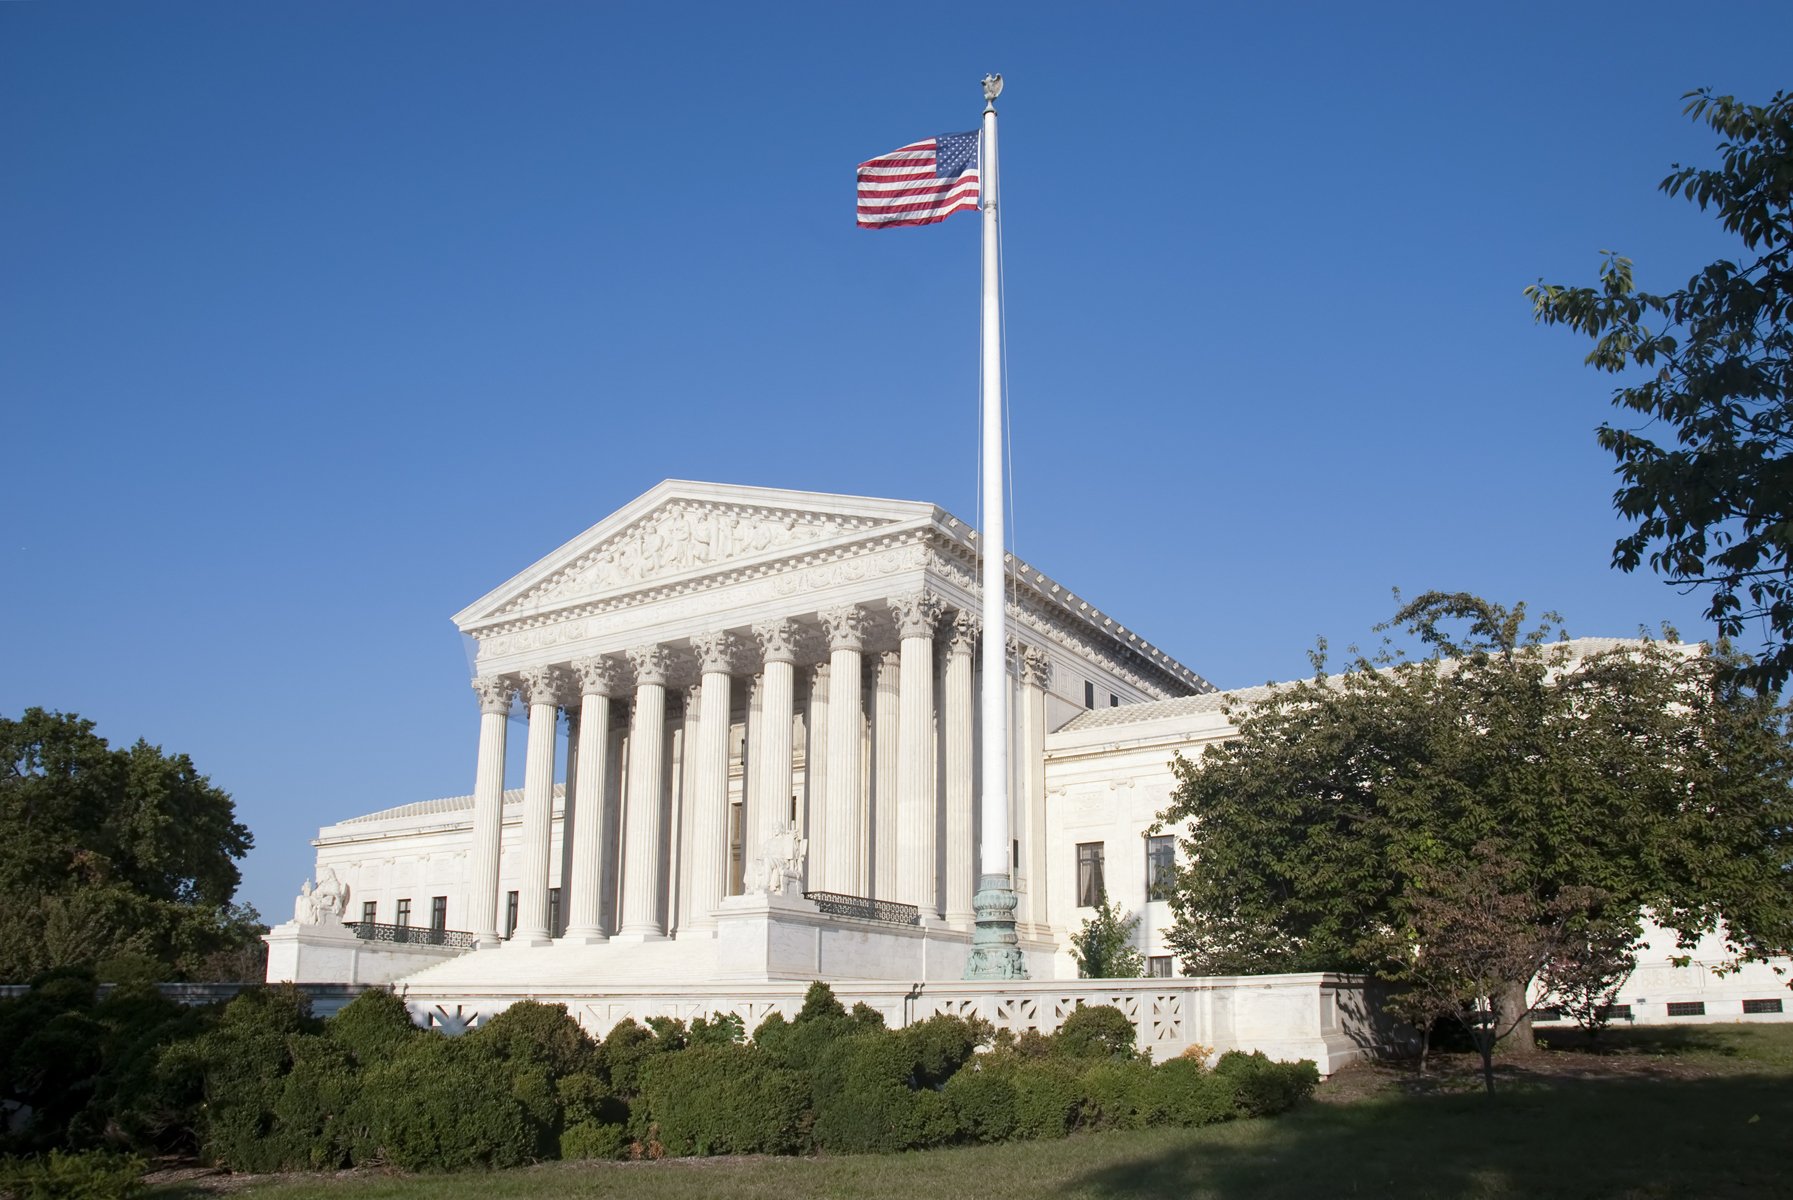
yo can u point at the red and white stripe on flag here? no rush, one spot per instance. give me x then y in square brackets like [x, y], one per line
[909, 187]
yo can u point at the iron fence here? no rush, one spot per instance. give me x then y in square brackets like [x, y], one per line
[865, 908]
[412, 935]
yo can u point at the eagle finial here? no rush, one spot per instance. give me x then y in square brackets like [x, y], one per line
[992, 88]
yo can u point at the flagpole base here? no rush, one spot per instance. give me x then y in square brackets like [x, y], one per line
[995, 950]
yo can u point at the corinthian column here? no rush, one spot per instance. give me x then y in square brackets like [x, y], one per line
[642, 920]
[488, 810]
[844, 856]
[599, 679]
[1036, 676]
[815, 759]
[960, 778]
[709, 817]
[778, 645]
[542, 690]
[886, 717]
[917, 808]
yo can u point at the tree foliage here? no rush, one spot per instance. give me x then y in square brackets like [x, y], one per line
[112, 852]
[1714, 506]
[1563, 796]
[1104, 947]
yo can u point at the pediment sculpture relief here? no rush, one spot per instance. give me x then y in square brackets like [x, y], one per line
[678, 538]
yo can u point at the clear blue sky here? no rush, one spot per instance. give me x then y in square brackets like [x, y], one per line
[319, 320]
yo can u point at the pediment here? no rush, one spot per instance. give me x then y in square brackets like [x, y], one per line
[681, 529]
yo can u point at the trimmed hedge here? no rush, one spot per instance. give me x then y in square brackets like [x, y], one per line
[260, 1085]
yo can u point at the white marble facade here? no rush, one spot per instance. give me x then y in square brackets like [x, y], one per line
[713, 624]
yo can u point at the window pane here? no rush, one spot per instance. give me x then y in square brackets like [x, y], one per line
[1158, 966]
[368, 909]
[404, 912]
[1161, 867]
[1091, 888]
[439, 912]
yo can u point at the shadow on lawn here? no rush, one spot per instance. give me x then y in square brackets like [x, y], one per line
[1626, 1138]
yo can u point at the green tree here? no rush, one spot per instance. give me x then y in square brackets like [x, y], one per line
[1640, 778]
[1714, 506]
[1104, 946]
[112, 852]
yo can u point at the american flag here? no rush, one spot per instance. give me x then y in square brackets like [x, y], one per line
[920, 183]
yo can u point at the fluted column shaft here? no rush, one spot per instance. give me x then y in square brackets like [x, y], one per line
[844, 856]
[584, 814]
[709, 819]
[886, 722]
[778, 646]
[961, 847]
[815, 758]
[917, 807]
[488, 810]
[642, 834]
[1036, 674]
[541, 688]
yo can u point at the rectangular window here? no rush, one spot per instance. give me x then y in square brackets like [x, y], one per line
[1091, 890]
[1161, 867]
[404, 912]
[1616, 1012]
[438, 912]
[554, 912]
[1114, 701]
[1547, 1014]
[1687, 1008]
[1089, 695]
[369, 909]
[1761, 1006]
[510, 913]
[1158, 966]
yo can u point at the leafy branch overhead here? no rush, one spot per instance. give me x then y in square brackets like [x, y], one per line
[1712, 494]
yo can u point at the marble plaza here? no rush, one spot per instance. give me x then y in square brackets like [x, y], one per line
[750, 753]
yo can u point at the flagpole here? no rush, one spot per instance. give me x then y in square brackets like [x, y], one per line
[995, 951]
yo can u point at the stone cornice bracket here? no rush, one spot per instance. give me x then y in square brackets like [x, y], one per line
[495, 692]
[964, 630]
[779, 640]
[715, 651]
[599, 676]
[915, 613]
[543, 685]
[651, 664]
[1036, 667]
[845, 626]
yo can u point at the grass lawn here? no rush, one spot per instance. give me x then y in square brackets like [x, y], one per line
[1689, 1111]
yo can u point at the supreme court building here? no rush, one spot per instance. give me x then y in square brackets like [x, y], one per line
[751, 743]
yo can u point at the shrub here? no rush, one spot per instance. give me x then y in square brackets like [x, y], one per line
[374, 1027]
[722, 1029]
[1095, 1031]
[445, 1104]
[591, 1139]
[985, 1102]
[540, 1034]
[1183, 1092]
[1048, 1095]
[97, 1175]
[1263, 1088]
[1117, 1094]
[626, 1049]
[724, 1099]
[244, 1062]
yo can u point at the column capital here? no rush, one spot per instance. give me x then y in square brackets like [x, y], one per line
[495, 692]
[818, 674]
[599, 676]
[1036, 667]
[778, 640]
[693, 698]
[845, 626]
[651, 663]
[715, 652]
[543, 685]
[964, 629]
[915, 613]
